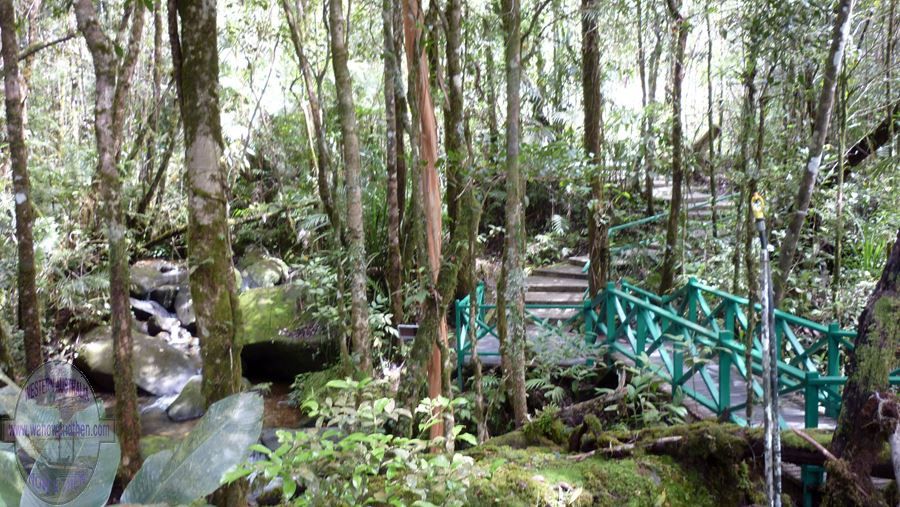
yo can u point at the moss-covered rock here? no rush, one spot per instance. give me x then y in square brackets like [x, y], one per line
[542, 476]
[277, 343]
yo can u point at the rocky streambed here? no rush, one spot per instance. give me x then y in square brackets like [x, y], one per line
[277, 343]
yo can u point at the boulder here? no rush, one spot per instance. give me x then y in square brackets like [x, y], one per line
[184, 309]
[148, 275]
[277, 343]
[265, 272]
[190, 403]
[159, 368]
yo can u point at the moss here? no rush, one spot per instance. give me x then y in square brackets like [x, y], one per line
[542, 477]
[268, 312]
[152, 444]
[546, 426]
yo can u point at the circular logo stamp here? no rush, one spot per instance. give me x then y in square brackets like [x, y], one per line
[57, 429]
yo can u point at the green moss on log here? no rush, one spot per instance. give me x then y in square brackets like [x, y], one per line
[541, 476]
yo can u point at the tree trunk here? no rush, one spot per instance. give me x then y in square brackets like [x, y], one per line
[113, 80]
[294, 15]
[359, 306]
[861, 431]
[512, 333]
[598, 220]
[816, 145]
[680, 28]
[428, 207]
[650, 117]
[391, 73]
[711, 162]
[213, 289]
[28, 310]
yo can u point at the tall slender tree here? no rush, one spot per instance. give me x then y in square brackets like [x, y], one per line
[393, 155]
[833, 63]
[195, 59]
[113, 74]
[359, 307]
[680, 30]
[512, 315]
[28, 309]
[591, 79]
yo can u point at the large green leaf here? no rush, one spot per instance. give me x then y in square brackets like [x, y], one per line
[195, 467]
[11, 483]
[97, 491]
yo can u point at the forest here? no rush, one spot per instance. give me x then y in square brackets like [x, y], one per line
[450, 252]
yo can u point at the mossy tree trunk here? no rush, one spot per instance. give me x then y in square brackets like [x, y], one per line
[598, 209]
[219, 326]
[359, 306]
[862, 430]
[113, 82]
[680, 28]
[28, 309]
[512, 313]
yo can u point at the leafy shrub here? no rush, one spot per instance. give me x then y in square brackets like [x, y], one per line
[349, 459]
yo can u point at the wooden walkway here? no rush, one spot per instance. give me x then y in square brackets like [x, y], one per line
[566, 283]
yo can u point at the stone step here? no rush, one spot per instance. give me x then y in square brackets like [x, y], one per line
[552, 284]
[578, 260]
[561, 271]
[555, 298]
[553, 315]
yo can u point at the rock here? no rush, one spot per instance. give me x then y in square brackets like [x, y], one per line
[265, 272]
[190, 403]
[184, 309]
[157, 325]
[159, 368]
[147, 275]
[144, 310]
[165, 296]
[277, 344]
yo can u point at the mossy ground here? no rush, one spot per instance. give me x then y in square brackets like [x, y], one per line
[545, 476]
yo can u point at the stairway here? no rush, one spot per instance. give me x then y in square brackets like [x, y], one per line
[699, 194]
[562, 284]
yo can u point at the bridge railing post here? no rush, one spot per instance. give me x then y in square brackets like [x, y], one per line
[726, 340]
[811, 475]
[833, 366]
[610, 312]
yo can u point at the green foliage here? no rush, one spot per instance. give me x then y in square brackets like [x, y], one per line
[194, 467]
[645, 404]
[349, 459]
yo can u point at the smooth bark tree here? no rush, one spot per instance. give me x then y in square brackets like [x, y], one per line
[868, 409]
[433, 342]
[680, 30]
[219, 326]
[29, 314]
[113, 74]
[7, 366]
[511, 324]
[359, 306]
[598, 209]
[833, 64]
[393, 154]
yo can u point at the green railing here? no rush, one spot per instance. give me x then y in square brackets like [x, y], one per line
[698, 337]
